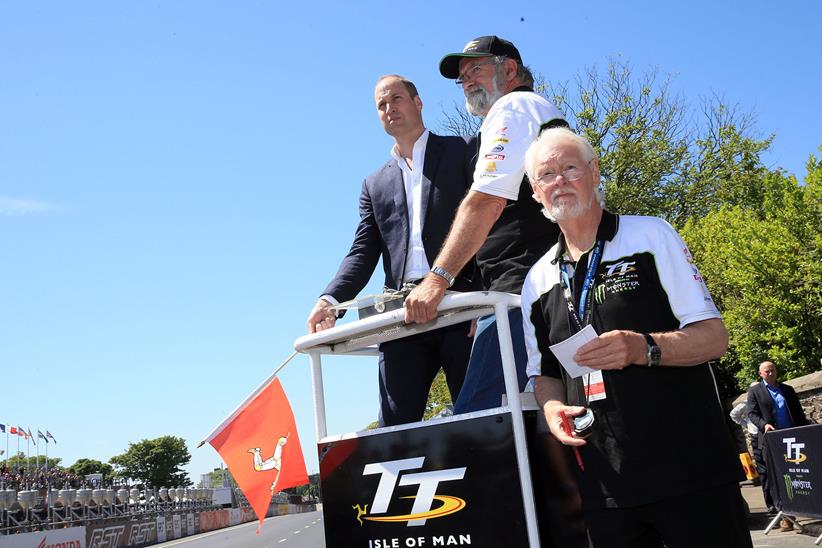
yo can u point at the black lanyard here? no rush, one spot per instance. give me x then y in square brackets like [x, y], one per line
[585, 304]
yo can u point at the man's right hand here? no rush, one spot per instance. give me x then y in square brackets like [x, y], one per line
[553, 415]
[769, 427]
[321, 317]
[421, 304]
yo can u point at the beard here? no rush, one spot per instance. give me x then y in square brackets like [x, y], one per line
[479, 100]
[568, 210]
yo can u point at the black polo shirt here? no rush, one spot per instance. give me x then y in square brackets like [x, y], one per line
[660, 432]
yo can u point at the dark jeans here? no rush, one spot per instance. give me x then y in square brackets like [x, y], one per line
[484, 383]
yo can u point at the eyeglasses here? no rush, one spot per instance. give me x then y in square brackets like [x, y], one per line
[473, 72]
[570, 174]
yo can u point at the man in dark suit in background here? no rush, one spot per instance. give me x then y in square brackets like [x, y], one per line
[406, 209]
[772, 405]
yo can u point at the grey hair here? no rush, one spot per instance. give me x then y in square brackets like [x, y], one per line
[549, 136]
[523, 72]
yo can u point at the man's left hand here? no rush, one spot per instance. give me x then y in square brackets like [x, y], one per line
[421, 304]
[613, 350]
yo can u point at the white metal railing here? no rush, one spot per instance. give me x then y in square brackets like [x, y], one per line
[359, 338]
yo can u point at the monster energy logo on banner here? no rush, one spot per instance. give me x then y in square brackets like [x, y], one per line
[788, 485]
[599, 294]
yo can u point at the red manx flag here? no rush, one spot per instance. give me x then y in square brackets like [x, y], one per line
[261, 448]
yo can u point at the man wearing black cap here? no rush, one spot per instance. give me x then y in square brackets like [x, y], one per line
[498, 219]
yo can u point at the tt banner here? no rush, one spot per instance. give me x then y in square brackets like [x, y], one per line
[162, 529]
[177, 526]
[453, 483]
[795, 466]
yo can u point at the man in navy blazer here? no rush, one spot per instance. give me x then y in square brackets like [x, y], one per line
[772, 405]
[406, 209]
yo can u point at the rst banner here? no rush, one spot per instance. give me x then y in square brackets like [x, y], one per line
[454, 483]
[795, 466]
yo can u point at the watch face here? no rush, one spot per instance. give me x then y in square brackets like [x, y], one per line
[656, 354]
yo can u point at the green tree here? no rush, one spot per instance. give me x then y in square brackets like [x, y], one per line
[659, 155]
[763, 265]
[84, 467]
[19, 460]
[155, 462]
[217, 478]
[438, 397]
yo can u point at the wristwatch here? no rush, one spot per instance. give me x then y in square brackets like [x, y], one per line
[444, 274]
[654, 352]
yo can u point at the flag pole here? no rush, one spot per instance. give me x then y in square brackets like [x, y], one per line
[240, 407]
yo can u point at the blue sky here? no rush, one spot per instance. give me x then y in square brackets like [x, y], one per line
[179, 180]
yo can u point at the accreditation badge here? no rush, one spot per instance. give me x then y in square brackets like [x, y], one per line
[594, 386]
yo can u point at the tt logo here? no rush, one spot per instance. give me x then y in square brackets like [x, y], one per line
[793, 451]
[621, 268]
[391, 474]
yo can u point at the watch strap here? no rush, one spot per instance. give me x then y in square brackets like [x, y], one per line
[444, 274]
[653, 350]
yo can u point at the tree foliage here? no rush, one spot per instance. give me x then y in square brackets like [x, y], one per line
[83, 467]
[155, 462]
[20, 460]
[658, 154]
[763, 264]
[438, 397]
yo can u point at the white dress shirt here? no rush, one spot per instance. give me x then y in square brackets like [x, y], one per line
[416, 263]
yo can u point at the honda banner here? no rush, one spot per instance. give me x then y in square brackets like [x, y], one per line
[72, 537]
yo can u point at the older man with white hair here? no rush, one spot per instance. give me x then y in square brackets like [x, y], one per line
[646, 476]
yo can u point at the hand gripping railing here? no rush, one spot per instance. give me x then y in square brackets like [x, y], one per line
[357, 338]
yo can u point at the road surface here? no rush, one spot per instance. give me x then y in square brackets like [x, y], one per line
[291, 531]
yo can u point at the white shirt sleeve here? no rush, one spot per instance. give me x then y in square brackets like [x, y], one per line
[527, 298]
[512, 124]
[688, 295]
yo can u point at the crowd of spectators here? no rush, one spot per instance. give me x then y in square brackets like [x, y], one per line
[21, 479]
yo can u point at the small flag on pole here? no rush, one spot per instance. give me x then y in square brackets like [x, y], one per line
[260, 446]
[2, 428]
[21, 432]
[48, 435]
[13, 430]
[31, 437]
[42, 436]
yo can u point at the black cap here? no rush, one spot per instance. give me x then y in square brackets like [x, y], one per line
[478, 47]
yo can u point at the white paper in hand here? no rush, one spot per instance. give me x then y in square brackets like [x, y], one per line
[565, 350]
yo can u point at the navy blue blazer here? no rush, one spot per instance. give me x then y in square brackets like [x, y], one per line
[762, 410]
[384, 228]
